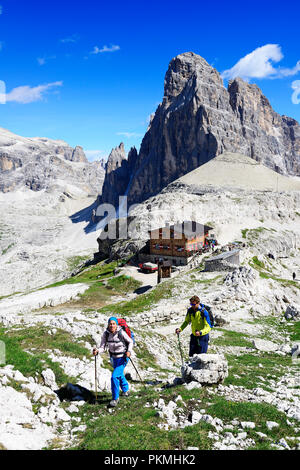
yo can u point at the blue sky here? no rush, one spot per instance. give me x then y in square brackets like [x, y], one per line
[91, 73]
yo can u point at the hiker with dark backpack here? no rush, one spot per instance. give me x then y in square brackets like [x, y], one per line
[201, 322]
[120, 345]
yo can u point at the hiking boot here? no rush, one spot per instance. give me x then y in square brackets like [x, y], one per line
[113, 403]
[125, 394]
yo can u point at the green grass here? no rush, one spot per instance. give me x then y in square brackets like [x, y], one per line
[37, 337]
[98, 293]
[232, 338]
[74, 261]
[124, 284]
[33, 362]
[252, 235]
[244, 369]
[261, 267]
[141, 302]
[89, 275]
[258, 263]
[294, 330]
[273, 325]
[7, 248]
[207, 281]
[134, 427]
[259, 413]
[107, 431]
[283, 282]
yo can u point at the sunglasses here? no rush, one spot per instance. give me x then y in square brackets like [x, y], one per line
[193, 304]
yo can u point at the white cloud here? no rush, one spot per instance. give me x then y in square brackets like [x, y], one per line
[43, 60]
[26, 94]
[259, 64]
[296, 94]
[112, 48]
[93, 155]
[290, 72]
[70, 39]
[128, 135]
[2, 92]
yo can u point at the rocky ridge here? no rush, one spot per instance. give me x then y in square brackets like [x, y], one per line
[40, 163]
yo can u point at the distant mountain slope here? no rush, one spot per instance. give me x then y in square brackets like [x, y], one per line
[238, 171]
[40, 163]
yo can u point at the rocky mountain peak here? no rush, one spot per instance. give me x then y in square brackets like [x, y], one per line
[78, 155]
[199, 119]
[116, 157]
[185, 68]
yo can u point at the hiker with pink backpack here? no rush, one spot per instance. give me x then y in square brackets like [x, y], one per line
[118, 338]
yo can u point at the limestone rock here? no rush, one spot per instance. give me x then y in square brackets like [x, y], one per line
[206, 369]
[53, 414]
[292, 312]
[20, 428]
[78, 155]
[220, 321]
[118, 172]
[264, 345]
[49, 379]
[241, 276]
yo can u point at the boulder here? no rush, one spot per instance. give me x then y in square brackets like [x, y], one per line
[220, 321]
[292, 312]
[206, 369]
[49, 379]
[264, 345]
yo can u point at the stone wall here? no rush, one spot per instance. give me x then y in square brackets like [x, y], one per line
[227, 261]
[144, 319]
[219, 265]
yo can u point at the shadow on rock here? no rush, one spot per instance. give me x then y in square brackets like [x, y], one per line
[143, 289]
[86, 215]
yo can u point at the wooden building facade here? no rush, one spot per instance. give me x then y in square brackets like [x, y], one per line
[180, 240]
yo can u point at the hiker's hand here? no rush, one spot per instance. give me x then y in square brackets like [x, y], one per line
[95, 351]
[177, 331]
[197, 333]
[128, 354]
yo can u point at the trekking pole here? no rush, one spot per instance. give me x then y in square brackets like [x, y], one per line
[96, 376]
[136, 370]
[179, 344]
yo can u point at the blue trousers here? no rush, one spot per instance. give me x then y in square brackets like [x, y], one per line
[118, 378]
[198, 344]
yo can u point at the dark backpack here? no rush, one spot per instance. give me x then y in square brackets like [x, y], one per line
[209, 311]
[75, 392]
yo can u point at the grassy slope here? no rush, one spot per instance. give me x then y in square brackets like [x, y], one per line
[141, 429]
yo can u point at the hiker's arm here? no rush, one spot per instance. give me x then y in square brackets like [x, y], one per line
[101, 348]
[186, 322]
[129, 343]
